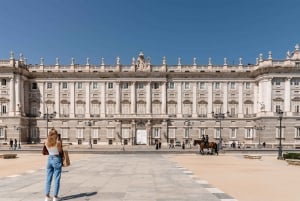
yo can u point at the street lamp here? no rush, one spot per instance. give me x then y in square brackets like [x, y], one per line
[89, 124]
[219, 117]
[19, 132]
[187, 131]
[48, 116]
[280, 114]
[259, 128]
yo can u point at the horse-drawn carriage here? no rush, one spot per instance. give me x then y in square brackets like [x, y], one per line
[211, 147]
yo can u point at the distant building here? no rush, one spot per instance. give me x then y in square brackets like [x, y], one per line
[142, 103]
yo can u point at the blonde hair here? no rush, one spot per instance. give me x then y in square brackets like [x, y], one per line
[52, 138]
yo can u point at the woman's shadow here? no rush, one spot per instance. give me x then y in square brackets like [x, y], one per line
[80, 195]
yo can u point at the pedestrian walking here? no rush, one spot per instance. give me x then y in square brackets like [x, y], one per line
[16, 144]
[54, 164]
[11, 144]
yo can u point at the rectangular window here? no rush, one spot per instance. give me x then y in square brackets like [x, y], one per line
[79, 85]
[155, 85]
[3, 82]
[172, 133]
[232, 85]
[124, 85]
[247, 85]
[110, 133]
[34, 132]
[2, 133]
[217, 133]
[277, 108]
[110, 85]
[125, 133]
[80, 133]
[49, 85]
[140, 85]
[171, 85]
[249, 133]
[187, 133]
[297, 132]
[201, 85]
[186, 85]
[202, 132]
[233, 133]
[64, 85]
[95, 133]
[217, 85]
[34, 85]
[156, 132]
[64, 133]
[95, 85]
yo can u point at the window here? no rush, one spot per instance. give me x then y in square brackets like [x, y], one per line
[140, 85]
[247, 85]
[172, 108]
[187, 108]
[155, 85]
[125, 133]
[249, 133]
[95, 133]
[64, 85]
[277, 108]
[296, 82]
[156, 107]
[49, 85]
[202, 132]
[95, 109]
[232, 85]
[80, 108]
[141, 108]
[202, 110]
[95, 85]
[110, 85]
[172, 133]
[276, 82]
[34, 133]
[111, 108]
[201, 85]
[297, 135]
[186, 85]
[124, 85]
[2, 132]
[34, 85]
[79, 85]
[297, 108]
[64, 133]
[187, 132]
[3, 109]
[110, 133]
[65, 109]
[278, 132]
[217, 133]
[233, 133]
[3, 82]
[156, 132]
[217, 85]
[80, 133]
[171, 85]
[125, 107]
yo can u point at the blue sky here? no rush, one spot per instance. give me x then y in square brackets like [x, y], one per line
[171, 28]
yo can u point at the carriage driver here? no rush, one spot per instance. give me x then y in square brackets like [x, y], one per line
[203, 138]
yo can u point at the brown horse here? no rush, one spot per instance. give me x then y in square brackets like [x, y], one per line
[211, 146]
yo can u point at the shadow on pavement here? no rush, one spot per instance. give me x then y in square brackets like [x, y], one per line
[80, 195]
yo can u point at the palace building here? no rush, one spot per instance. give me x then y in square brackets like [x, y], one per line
[143, 103]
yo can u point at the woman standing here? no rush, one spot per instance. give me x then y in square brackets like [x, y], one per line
[54, 163]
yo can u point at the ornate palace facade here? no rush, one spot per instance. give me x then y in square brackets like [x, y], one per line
[142, 103]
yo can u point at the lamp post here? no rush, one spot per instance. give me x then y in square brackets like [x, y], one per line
[280, 114]
[89, 124]
[259, 128]
[187, 134]
[48, 116]
[19, 132]
[219, 117]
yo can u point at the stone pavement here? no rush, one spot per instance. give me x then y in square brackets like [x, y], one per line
[117, 177]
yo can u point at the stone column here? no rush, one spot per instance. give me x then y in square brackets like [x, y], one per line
[57, 98]
[194, 113]
[148, 98]
[240, 109]
[225, 97]
[179, 99]
[18, 95]
[103, 100]
[87, 100]
[164, 98]
[287, 95]
[12, 97]
[42, 95]
[117, 97]
[267, 94]
[72, 99]
[133, 98]
[255, 98]
[209, 100]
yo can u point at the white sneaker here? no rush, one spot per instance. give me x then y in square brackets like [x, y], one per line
[55, 199]
[47, 199]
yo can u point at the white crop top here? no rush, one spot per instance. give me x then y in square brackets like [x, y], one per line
[53, 150]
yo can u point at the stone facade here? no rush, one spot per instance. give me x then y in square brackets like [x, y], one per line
[142, 103]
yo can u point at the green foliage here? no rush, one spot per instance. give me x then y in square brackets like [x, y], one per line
[291, 156]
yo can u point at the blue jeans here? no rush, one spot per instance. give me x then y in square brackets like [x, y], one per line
[53, 168]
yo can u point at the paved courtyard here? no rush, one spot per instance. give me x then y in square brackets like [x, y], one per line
[117, 177]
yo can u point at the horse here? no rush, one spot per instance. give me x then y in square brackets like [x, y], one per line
[210, 146]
